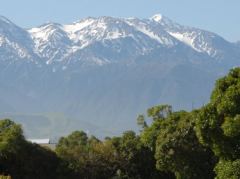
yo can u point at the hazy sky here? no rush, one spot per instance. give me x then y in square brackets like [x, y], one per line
[220, 16]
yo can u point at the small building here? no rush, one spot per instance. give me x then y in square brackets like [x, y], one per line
[43, 143]
[39, 141]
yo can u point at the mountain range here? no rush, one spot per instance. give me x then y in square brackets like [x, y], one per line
[98, 74]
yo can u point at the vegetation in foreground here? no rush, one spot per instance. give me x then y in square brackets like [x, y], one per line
[201, 144]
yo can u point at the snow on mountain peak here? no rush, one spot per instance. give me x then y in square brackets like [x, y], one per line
[157, 17]
[57, 42]
[44, 31]
[77, 26]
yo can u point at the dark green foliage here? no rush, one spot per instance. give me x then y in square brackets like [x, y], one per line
[177, 149]
[228, 169]
[137, 160]
[117, 157]
[219, 122]
[218, 125]
[21, 159]
[150, 133]
[88, 157]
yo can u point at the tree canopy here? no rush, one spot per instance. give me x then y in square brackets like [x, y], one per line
[198, 144]
[218, 124]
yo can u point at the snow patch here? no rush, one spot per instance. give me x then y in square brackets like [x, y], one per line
[42, 33]
[115, 35]
[100, 62]
[2, 40]
[64, 68]
[72, 28]
[151, 34]
[185, 38]
[157, 17]
[143, 28]
[21, 52]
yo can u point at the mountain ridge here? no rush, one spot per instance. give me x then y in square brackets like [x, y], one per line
[53, 40]
[105, 71]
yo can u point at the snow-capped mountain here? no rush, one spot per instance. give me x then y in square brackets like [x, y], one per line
[60, 43]
[97, 70]
[15, 43]
[200, 40]
[106, 40]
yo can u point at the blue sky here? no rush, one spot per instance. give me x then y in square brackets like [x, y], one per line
[220, 16]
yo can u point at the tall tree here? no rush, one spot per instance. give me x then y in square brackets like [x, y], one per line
[172, 138]
[218, 124]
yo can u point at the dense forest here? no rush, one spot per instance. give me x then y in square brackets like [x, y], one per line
[201, 144]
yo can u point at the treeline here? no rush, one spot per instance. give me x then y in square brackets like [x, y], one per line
[201, 144]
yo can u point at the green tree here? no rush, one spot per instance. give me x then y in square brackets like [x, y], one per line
[136, 160]
[88, 157]
[178, 149]
[21, 159]
[150, 133]
[172, 138]
[218, 124]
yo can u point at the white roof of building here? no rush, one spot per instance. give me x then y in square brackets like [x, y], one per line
[39, 141]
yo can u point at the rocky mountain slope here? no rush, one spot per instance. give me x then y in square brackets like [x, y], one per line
[100, 73]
